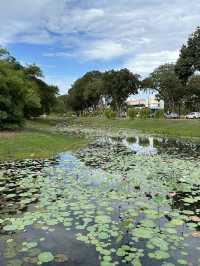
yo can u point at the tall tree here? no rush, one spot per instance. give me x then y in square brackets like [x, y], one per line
[119, 85]
[189, 59]
[33, 72]
[167, 84]
[193, 87]
[15, 92]
[46, 93]
[86, 91]
[22, 92]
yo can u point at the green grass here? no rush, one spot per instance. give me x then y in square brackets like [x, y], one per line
[36, 141]
[176, 128]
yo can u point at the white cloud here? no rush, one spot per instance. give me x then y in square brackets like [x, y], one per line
[57, 54]
[146, 32]
[104, 49]
[146, 63]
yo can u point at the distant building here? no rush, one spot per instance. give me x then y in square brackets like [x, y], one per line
[150, 102]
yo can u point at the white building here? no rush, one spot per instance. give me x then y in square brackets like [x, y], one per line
[151, 102]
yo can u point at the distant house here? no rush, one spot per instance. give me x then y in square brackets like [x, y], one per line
[150, 102]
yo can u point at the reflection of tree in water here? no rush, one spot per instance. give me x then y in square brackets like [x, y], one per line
[131, 140]
[177, 147]
[117, 139]
[144, 142]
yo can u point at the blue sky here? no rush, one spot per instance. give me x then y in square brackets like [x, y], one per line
[67, 38]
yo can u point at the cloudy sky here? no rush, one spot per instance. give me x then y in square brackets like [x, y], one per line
[70, 37]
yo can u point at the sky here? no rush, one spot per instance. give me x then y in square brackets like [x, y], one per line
[67, 38]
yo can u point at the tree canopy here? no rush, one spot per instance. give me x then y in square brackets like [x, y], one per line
[86, 92]
[166, 83]
[96, 88]
[119, 85]
[189, 59]
[22, 93]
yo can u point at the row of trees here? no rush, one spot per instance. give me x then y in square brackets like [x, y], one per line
[23, 93]
[174, 83]
[96, 89]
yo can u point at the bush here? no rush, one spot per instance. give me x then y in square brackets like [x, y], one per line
[159, 114]
[110, 114]
[144, 113]
[92, 114]
[132, 113]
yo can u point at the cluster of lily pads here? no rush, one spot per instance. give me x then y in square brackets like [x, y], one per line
[15, 184]
[134, 210]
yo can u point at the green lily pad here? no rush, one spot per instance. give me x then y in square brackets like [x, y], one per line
[45, 257]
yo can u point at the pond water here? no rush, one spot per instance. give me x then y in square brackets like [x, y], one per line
[119, 201]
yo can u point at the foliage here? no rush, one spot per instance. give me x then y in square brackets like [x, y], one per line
[46, 92]
[110, 114]
[188, 61]
[132, 113]
[96, 113]
[22, 93]
[144, 113]
[178, 85]
[193, 87]
[166, 83]
[96, 89]
[159, 114]
[85, 92]
[15, 93]
[61, 106]
[47, 95]
[119, 85]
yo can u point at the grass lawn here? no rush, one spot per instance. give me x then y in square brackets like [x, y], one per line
[35, 141]
[38, 141]
[176, 128]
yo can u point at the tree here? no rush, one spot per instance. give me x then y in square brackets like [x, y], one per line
[15, 93]
[193, 87]
[167, 84]
[93, 88]
[46, 93]
[119, 85]
[189, 59]
[86, 92]
[48, 97]
[33, 71]
[61, 106]
[192, 95]
[4, 54]
[22, 93]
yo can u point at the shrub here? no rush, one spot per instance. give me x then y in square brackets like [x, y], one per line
[110, 114]
[144, 113]
[132, 113]
[159, 114]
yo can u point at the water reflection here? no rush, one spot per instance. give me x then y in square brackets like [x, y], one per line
[153, 145]
[140, 147]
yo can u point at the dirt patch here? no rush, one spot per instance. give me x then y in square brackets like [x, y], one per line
[8, 134]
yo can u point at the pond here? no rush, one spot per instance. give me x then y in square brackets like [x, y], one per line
[120, 201]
